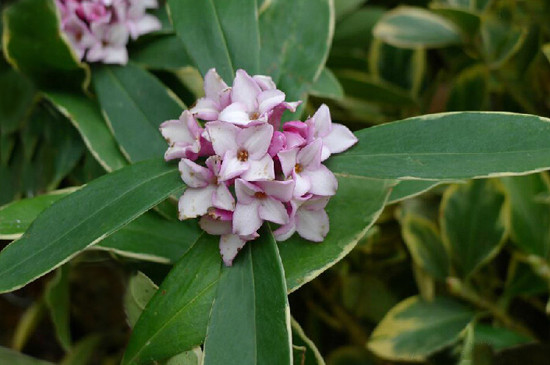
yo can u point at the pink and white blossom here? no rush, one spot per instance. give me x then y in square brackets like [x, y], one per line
[307, 217]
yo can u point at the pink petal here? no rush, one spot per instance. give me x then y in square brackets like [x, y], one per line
[325, 153]
[245, 191]
[223, 137]
[215, 226]
[146, 24]
[185, 129]
[195, 176]
[278, 142]
[245, 90]
[195, 202]
[288, 160]
[320, 123]
[280, 190]
[182, 150]
[213, 85]
[339, 139]
[323, 181]
[262, 169]
[223, 199]
[206, 109]
[264, 82]
[309, 157]
[246, 219]
[303, 184]
[255, 140]
[312, 225]
[214, 163]
[235, 113]
[296, 126]
[273, 210]
[269, 99]
[315, 203]
[284, 232]
[230, 245]
[232, 166]
[294, 140]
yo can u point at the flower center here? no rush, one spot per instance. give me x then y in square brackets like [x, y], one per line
[260, 195]
[254, 116]
[298, 168]
[242, 155]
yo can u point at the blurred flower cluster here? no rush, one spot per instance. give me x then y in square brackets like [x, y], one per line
[99, 30]
[275, 175]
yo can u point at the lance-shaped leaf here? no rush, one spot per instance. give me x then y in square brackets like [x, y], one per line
[175, 319]
[529, 214]
[295, 44]
[86, 117]
[57, 301]
[218, 33]
[327, 86]
[406, 189]
[250, 319]
[349, 222]
[135, 103]
[165, 52]
[415, 329]
[84, 218]
[139, 292]
[499, 338]
[34, 44]
[311, 356]
[473, 223]
[449, 146]
[409, 27]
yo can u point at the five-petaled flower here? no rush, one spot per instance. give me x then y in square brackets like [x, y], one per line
[254, 172]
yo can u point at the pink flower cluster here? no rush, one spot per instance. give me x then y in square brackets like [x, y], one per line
[99, 30]
[253, 171]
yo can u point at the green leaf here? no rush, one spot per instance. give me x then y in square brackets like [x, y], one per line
[175, 319]
[192, 357]
[529, 216]
[250, 318]
[408, 27]
[424, 243]
[546, 50]
[473, 223]
[17, 216]
[327, 86]
[345, 7]
[58, 303]
[470, 90]
[135, 103]
[84, 218]
[361, 85]
[140, 239]
[295, 44]
[219, 33]
[349, 222]
[86, 117]
[406, 189]
[17, 98]
[165, 52]
[83, 351]
[139, 292]
[312, 356]
[500, 41]
[27, 324]
[466, 20]
[449, 146]
[8, 356]
[356, 29]
[414, 329]
[40, 51]
[499, 338]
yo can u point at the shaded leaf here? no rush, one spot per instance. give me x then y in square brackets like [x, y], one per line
[9, 356]
[139, 292]
[83, 351]
[470, 89]
[327, 86]
[58, 303]
[499, 338]
[312, 356]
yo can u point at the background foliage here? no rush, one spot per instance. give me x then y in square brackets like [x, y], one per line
[450, 271]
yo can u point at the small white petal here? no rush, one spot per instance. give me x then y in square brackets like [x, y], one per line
[232, 166]
[288, 160]
[245, 191]
[223, 199]
[215, 226]
[262, 169]
[223, 137]
[235, 113]
[323, 181]
[230, 245]
[264, 82]
[206, 109]
[195, 202]
[312, 225]
[303, 184]
[339, 139]
[195, 176]
[280, 190]
[267, 100]
[245, 90]
[321, 122]
[273, 210]
[284, 232]
[309, 157]
[255, 140]
[246, 219]
[213, 85]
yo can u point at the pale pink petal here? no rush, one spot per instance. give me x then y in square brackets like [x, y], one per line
[315, 202]
[278, 143]
[223, 137]
[294, 140]
[309, 157]
[232, 166]
[213, 85]
[255, 140]
[206, 109]
[296, 126]
[235, 113]
[303, 184]
[339, 139]
[146, 24]
[284, 232]
[175, 131]
[214, 163]
[269, 99]
[323, 181]
[313, 225]
[273, 210]
[264, 82]
[215, 226]
[245, 191]
[280, 190]
[246, 219]
[195, 202]
[288, 160]
[223, 199]
[115, 55]
[262, 169]
[245, 90]
[195, 176]
[230, 245]
[321, 122]
[325, 153]
[182, 150]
